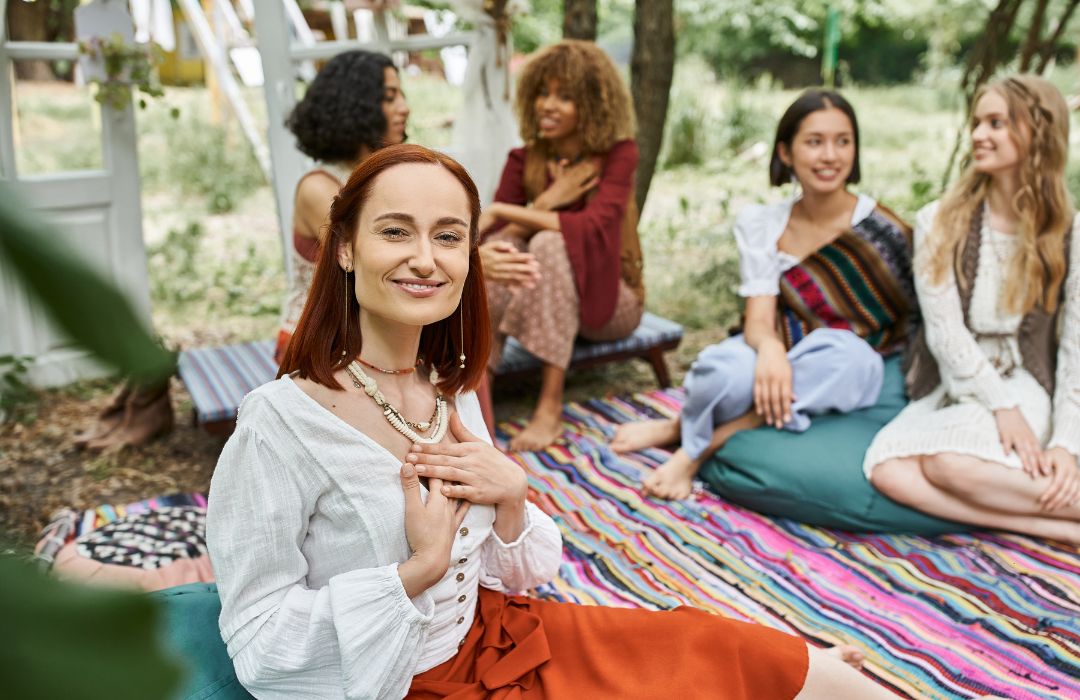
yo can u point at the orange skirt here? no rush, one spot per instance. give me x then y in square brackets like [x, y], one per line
[531, 649]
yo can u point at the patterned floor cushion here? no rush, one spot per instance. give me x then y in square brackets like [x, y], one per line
[149, 551]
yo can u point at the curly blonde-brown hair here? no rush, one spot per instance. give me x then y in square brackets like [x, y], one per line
[590, 78]
[1039, 125]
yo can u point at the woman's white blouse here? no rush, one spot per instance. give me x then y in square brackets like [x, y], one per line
[758, 228]
[305, 529]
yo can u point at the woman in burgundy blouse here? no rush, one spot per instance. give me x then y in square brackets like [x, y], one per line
[566, 198]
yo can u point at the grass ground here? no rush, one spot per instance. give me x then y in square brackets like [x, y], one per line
[215, 261]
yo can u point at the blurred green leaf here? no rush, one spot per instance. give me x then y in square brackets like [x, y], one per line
[72, 641]
[89, 309]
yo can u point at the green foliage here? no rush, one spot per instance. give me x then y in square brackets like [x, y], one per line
[700, 127]
[924, 188]
[203, 159]
[1072, 178]
[192, 276]
[17, 397]
[92, 312]
[69, 641]
[126, 66]
[883, 41]
[542, 26]
[684, 137]
[743, 121]
[104, 643]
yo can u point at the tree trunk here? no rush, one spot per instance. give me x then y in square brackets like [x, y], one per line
[29, 21]
[651, 68]
[579, 19]
[1047, 51]
[986, 55]
[1033, 39]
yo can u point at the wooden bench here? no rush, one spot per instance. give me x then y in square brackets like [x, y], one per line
[219, 378]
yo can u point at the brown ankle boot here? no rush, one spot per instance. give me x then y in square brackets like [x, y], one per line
[108, 420]
[147, 414]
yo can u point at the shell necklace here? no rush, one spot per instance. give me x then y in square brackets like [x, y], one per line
[394, 417]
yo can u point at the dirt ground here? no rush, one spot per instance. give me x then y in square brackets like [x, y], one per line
[41, 470]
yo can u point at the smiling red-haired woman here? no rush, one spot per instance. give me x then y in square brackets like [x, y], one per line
[325, 341]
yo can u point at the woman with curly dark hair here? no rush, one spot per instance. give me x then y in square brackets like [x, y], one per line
[354, 107]
[567, 197]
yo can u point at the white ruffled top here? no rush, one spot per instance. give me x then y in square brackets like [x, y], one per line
[758, 228]
[305, 529]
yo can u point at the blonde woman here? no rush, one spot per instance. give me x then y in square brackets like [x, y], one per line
[993, 433]
[567, 197]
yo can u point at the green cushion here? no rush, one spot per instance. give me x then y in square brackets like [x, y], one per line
[191, 632]
[816, 477]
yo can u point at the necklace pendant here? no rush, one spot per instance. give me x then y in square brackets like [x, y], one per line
[438, 422]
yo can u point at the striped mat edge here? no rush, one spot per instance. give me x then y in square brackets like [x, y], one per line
[948, 617]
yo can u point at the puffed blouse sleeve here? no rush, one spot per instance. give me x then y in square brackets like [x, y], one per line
[1066, 432]
[759, 263]
[286, 639]
[960, 359]
[529, 561]
[534, 557]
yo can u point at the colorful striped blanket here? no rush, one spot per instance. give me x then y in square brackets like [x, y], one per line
[949, 617]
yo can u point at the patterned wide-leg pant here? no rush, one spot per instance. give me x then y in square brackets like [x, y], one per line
[546, 318]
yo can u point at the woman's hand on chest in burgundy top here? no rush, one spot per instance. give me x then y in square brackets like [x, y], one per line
[569, 183]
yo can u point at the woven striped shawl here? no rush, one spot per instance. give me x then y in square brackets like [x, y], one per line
[859, 282]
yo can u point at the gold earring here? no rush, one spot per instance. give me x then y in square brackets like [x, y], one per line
[345, 338]
[461, 319]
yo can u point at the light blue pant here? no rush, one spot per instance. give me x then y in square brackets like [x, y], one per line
[832, 370]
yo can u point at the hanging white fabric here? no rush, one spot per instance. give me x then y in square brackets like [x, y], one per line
[154, 22]
[485, 128]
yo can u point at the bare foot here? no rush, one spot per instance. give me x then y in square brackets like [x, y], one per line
[849, 654]
[543, 428]
[639, 435]
[673, 480]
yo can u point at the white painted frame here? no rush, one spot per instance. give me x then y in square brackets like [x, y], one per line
[98, 213]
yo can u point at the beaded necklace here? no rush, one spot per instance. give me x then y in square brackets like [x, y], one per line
[394, 417]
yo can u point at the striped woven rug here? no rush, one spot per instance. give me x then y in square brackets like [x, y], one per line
[949, 617]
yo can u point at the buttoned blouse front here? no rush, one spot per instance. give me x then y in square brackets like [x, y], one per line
[305, 529]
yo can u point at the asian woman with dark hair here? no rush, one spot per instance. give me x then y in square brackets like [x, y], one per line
[827, 281]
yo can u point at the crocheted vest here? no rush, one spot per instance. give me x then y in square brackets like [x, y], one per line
[1037, 335]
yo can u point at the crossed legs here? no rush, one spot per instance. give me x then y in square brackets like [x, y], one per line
[971, 490]
[833, 370]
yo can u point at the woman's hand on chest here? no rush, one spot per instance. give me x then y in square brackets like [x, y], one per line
[471, 469]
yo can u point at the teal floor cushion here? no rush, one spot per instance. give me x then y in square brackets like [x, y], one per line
[191, 632]
[816, 477]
